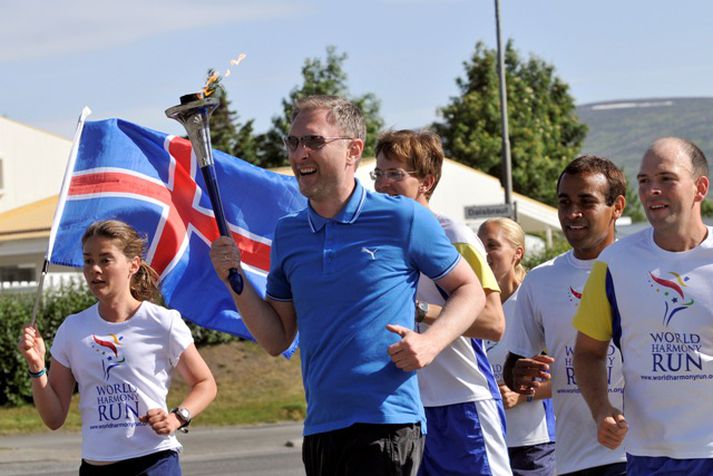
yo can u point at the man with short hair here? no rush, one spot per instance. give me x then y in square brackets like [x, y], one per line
[459, 392]
[344, 273]
[591, 193]
[651, 294]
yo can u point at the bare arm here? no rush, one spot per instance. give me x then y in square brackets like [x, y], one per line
[466, 300]
[272, 323]
[202, 391]
[52, 392]
[490, 324]
[590, 371]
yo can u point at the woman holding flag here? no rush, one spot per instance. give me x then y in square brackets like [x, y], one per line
[120, 352]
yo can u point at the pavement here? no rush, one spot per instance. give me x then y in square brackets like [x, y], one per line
[259, 450]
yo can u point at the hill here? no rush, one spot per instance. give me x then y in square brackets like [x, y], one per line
[622, 130]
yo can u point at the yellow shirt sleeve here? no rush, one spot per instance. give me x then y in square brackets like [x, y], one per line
[594, 314]
[479, 265]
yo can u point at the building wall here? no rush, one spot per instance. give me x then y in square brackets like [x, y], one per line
[32, 164]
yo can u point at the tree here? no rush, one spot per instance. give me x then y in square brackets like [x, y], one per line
[545, 133]
[707, 208]
[319, 77]
[634, 209]
[227, 134]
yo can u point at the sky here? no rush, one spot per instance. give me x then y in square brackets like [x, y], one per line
[133, 59]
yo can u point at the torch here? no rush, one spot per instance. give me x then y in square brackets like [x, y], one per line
[194, 114]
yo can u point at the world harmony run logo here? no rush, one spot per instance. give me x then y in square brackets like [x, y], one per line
[574, 296]
[673, 293]
[110, 349]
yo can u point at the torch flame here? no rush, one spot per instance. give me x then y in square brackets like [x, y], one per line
[213, 80]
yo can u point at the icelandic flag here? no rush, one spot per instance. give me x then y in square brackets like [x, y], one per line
[152, 181]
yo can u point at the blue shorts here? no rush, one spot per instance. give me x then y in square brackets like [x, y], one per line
[662, 465]
[163, 463]
[533, 460]
[465, 439]
[612, 469]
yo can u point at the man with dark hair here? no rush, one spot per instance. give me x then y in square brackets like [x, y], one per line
[458, 389]
[592, 164]
[344, 272]
[650, 294]
[591, 197]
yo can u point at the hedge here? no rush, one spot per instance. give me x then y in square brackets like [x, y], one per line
[16, 310]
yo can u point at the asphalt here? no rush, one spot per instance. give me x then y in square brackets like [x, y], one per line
[258, 450]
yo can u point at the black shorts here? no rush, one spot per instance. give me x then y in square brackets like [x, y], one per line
[364, 450]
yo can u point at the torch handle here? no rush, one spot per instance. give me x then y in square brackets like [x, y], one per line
[211, 182]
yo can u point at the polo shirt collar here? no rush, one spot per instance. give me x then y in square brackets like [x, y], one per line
[348, 214]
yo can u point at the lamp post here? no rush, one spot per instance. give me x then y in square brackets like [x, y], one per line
[507, 163]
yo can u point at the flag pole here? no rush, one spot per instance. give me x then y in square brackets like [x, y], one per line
[60, 208]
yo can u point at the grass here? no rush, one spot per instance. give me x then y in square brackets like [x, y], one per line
[252, 388]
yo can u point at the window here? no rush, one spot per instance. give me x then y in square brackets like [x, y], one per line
[14, 273]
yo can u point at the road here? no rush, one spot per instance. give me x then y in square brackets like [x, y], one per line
[265, 450]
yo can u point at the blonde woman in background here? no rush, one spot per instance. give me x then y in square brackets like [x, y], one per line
[530, 419]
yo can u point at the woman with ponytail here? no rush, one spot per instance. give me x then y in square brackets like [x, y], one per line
[120, 352]
[530, 419]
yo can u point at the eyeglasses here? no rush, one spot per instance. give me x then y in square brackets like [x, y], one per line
[395, 175]
[311, 141]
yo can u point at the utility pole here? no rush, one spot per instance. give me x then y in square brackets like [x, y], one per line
[507, 164]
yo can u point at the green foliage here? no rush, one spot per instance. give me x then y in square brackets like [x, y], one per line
[319, 77]
[545, 133]
[227, 134]
[634, 209]
[14, 381]
[203, 336]
[16, 310]
[559, 246]
[707, 208]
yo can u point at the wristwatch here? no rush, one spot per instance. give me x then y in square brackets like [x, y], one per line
[421, 310]
[184, 416]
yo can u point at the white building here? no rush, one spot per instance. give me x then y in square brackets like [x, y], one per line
[32, 164]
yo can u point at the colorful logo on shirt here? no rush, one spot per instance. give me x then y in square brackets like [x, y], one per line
[574, 295]
[110, 348]
[674, 293]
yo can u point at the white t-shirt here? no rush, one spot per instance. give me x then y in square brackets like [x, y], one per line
[461, 372]
[528, 423]
[547, 300]
[658, 305]
[123, 370]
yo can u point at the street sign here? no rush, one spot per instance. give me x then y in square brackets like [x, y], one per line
[476, 212]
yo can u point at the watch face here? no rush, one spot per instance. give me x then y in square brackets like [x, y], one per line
[184, 414]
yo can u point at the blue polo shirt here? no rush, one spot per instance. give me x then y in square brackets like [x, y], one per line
[348, 277]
